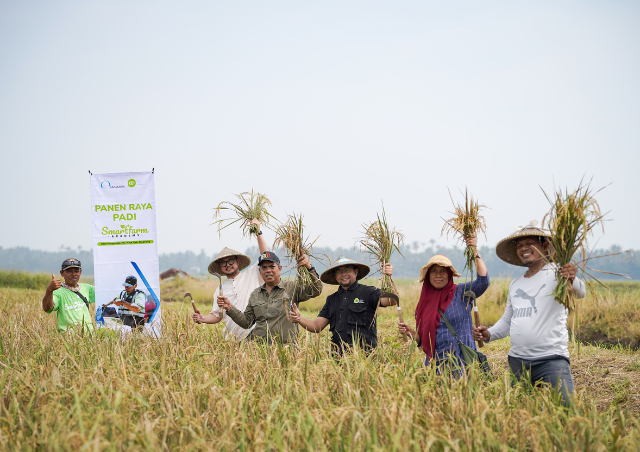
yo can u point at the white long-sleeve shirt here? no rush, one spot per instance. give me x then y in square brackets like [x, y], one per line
[237, 290]
[536, 322]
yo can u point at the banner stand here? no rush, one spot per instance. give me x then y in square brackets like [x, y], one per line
[125, 252]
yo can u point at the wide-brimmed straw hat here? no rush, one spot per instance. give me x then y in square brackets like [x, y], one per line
[506, 248]
[329, 277]
[243, 260]
[438, 259]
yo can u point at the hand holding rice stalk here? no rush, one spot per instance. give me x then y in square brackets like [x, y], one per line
[466, 224]
[571, 219]
[379, 241]
[291, 236]
[252, 206]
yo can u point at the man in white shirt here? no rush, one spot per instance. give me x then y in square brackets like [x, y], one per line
[236, 288]
[536, 322]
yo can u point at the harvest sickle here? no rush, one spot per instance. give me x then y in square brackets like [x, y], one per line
[397, 299]
[193, 303]
[476, 315]
[217, 275]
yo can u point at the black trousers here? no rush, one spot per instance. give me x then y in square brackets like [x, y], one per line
[133, 321]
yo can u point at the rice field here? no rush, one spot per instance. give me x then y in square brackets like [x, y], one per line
[192, 390]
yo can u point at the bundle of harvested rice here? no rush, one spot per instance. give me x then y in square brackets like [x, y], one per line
[290, 235]
[379, 241]
[572, 218]
[467, 222]
[252, 206]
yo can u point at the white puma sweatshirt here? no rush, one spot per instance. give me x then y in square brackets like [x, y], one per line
[536, 322]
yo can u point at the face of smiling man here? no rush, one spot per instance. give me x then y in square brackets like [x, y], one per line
[530, 251]
[346, 275]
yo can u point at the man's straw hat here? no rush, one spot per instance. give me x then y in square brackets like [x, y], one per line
[329, 277]
[438, 259]
[506, 248]
[243, 260]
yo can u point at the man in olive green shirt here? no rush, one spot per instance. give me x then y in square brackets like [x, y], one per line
[70, 299]
[269, 304]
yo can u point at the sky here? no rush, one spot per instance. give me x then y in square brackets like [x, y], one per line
[329, 108]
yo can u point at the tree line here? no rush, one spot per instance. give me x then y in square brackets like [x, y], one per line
[38, 261]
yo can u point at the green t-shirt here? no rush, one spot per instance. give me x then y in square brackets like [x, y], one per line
[70, 308]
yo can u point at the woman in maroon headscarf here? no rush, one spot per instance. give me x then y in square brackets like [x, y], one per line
[440, 293]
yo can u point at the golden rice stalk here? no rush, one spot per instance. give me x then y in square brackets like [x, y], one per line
[467, 222]
[290, 235]
[252, 206]
[379, 241]
[570, 220]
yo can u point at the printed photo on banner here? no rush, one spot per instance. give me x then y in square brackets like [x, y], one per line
[125, 254]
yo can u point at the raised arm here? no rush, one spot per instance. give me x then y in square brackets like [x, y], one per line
[388, 270]
[307, 292]
[313, 326]
[47, 300]
[569, 271]
[262, 242]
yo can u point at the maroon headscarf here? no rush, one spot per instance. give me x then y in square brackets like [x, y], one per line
[427, 314]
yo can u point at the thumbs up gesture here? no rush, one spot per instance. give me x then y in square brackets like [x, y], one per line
[54, 284]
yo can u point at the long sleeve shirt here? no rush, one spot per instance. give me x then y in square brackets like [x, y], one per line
[237, 290]
[458, 313]
[268, 310]
[536, 322]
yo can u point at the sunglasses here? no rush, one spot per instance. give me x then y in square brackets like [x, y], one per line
[71, 263]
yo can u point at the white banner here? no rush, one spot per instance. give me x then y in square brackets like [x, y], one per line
[123, 211]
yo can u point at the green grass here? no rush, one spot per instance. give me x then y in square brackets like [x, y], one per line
[192, 390]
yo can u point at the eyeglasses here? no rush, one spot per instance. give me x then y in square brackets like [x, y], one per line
[343, 270]
[227, 262]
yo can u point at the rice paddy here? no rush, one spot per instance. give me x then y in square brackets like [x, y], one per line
[192, 390]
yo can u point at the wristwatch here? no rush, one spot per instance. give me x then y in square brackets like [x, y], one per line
[259, 233]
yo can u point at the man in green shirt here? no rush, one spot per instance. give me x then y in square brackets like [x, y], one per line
[269, 304]
[69, 299]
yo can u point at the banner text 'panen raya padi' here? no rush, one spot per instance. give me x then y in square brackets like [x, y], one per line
[125, 252]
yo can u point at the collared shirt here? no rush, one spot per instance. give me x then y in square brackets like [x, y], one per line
[268, 310]
[237, 290]
[350, 311]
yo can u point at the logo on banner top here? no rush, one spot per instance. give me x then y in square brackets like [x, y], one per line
[132, 183]
[102, 184]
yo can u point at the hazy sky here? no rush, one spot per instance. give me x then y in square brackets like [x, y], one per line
[327, 107]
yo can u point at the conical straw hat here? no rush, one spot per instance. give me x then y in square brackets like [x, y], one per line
[243, 260]
[506, 248]
[438, 259]
[329, 277]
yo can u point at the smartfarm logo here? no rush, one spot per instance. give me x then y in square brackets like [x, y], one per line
[126, 230]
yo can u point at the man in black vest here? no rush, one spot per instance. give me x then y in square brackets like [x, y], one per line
[350, 312]
[131, 303]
